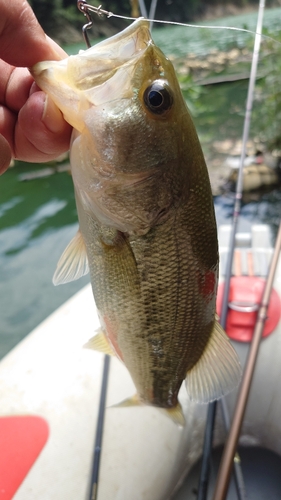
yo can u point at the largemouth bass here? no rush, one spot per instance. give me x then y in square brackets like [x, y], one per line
[147, 225]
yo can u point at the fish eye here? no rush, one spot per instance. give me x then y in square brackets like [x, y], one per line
[158, 98]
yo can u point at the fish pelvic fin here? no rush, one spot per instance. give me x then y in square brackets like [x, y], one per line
[217, 372]
[175, 413]
[100, 343]
[73, 263]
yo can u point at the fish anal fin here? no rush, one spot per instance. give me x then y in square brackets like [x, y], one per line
[126, 403]
[217, 372]
[100, 343]
[73, 263]
[175, 414]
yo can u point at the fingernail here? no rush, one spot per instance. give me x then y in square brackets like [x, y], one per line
[52, 117]
[5, 154]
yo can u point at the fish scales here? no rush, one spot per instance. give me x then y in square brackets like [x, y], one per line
[162, 298]
[147, 224]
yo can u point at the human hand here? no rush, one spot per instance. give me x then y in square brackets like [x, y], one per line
[31, 126]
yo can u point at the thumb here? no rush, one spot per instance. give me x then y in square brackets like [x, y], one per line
[5, 154]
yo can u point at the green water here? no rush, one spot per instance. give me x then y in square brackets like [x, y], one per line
[38, 217]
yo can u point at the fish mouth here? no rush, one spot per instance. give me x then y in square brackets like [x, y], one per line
[91, 67]
[118, 49]
[98, 64]
[87, 71]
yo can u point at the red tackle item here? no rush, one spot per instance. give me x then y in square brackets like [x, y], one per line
[21, 441]
[245, 296]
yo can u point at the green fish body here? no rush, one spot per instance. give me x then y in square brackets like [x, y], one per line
[147, 225]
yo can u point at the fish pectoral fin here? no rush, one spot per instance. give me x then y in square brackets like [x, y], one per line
[217, 372]
[73, 263]
[100, 343]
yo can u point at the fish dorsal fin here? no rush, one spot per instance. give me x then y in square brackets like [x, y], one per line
[100, 343]
[217, 372]
[73, 263]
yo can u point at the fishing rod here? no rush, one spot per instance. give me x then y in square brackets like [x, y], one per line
[93, 489]
[209, 431]
[152, 10]
[142, 7]
[231, 444]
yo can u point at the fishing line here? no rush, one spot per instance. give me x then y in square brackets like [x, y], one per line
[87, 8]
[202, 26]
[187, 25]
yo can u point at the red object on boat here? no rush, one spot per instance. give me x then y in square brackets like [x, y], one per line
[21, 441]
[245, 296]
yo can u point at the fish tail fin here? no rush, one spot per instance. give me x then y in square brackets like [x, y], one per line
[217, 372]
